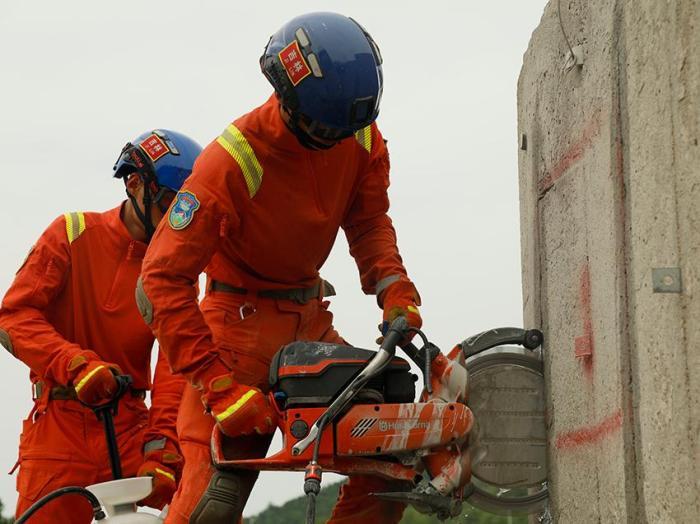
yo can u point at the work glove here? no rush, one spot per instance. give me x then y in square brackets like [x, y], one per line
[400, 300]
[93, 379]
[238, 409]
[165, 466]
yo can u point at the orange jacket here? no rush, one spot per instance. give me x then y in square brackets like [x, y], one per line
[75, 293]
[262, 212]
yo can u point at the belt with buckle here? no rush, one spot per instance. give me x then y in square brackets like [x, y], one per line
[299, 295]
[68, 392]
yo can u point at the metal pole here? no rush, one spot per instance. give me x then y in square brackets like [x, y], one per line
[112, 446]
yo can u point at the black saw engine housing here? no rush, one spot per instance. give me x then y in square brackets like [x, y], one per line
[311, 374]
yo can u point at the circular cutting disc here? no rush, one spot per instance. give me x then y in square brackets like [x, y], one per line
[508, 442]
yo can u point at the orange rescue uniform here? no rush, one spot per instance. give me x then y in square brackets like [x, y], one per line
[75, 295]
[265, 216]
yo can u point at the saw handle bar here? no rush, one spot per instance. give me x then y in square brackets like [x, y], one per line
[528, 338]
[396, 332]
[312, 479]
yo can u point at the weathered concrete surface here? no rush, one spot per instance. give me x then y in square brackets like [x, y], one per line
[610, 188]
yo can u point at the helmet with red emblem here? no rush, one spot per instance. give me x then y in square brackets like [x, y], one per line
[327, 73]
[163, 159]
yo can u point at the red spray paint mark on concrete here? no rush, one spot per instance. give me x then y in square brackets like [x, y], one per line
[583, 345]
[572, 155]
[589, 434]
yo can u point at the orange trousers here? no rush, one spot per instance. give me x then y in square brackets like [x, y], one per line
[66, 446]
[250, 343]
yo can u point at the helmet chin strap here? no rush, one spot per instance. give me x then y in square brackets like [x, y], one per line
[304, 138]
[144, 217]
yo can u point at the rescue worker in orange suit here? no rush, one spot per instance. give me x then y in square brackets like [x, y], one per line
[259, 215]
[71, 316]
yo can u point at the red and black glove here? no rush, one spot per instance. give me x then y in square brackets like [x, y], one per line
[93, 379]
[401, 300]
[239, 409]
[165, 466]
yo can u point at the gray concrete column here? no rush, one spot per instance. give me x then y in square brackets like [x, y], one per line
[610, 189]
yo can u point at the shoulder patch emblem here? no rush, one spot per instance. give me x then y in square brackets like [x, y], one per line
[183, 209]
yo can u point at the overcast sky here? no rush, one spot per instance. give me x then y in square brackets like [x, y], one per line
[78, 79]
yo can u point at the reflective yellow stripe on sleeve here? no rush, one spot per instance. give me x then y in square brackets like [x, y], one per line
[235, 407]
[236, 145]
[86, 378]
[165, 474]
[75, 225]
[364, 137]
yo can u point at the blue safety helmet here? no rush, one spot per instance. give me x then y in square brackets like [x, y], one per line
[168, 156]
[327, 72]
[163, 159]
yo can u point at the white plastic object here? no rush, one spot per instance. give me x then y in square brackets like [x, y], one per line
[131, 518]
[119, 497]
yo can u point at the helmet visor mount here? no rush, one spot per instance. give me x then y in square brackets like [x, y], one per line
[134, 157]
[136, 161]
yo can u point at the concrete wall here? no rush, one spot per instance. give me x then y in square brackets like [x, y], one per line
[610, 190]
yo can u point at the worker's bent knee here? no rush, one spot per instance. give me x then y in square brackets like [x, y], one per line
[224, 498]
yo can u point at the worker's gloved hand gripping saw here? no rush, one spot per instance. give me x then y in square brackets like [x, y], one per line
[401, 300]
[237, 409]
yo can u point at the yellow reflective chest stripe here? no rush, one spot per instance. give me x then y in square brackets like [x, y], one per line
[75, 225]
[236, 145]
[364, 137]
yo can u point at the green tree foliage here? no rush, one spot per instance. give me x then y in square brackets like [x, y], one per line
[4, 520]
[294, 512]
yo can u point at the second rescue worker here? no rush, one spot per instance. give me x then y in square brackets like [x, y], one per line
[261, 213]
[70, 316]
